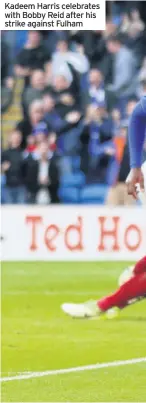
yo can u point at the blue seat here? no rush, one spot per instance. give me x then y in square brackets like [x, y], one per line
[93, 194]
[2, 183]
[76, 179]
[69, 195]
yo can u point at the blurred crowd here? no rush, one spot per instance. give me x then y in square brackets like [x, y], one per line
[80, 88]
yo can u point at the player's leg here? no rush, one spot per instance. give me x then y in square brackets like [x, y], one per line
[128, 273]
[133, 289]
[140, 266]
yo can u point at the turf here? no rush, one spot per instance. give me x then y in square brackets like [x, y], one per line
[37, 336]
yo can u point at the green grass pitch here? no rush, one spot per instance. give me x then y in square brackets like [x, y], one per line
[37, 336]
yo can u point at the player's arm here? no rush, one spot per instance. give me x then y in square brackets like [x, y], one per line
[137, 128]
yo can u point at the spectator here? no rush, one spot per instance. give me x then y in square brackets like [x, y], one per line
[7, 74]
[36, 88]
[33, 56]
[73, 66]
[42, 175]
[64, 56]
[69, 116]
[35, 116]
[94, 45]
[12, 167]
[111, 29]
[82, 113]
[125, 24]
[99, 122]
[96, 89]
[54, 120]
[7, 77]
[136, 38]
[65, 99]
[132, 25]
[124, 79]
[116, 118]
[97, 146]
[48, 74]
[51, 38]
[30, 144]
[39, 134]
[136, 25]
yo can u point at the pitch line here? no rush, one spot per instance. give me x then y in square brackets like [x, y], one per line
[31, 375]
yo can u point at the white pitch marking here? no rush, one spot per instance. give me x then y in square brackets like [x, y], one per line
[71, 370]
[54, 293]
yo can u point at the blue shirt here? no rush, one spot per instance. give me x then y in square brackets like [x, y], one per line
[137, 133]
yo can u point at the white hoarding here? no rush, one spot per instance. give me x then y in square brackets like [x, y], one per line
[72, 233]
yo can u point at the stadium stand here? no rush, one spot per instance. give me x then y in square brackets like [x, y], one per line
[68, 98]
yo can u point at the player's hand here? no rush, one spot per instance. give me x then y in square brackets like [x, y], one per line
[135, 177]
